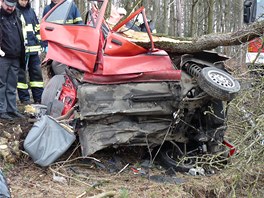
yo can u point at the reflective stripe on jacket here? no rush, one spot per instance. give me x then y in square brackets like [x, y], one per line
[73, 15]
[30, 25]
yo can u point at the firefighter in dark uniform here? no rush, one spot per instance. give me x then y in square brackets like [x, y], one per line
[74, 16]
[50, 6]
[30, 25]
[13, 46]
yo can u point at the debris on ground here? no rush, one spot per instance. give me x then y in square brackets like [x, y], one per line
[197, 171]
[9, 141]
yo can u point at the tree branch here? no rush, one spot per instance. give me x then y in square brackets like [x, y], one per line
[206, 42]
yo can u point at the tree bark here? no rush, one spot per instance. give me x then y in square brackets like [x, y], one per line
[166, 17]
[206, 42]
[210, 23]
[179, 17]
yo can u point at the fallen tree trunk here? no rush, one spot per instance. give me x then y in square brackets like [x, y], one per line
[206, 42]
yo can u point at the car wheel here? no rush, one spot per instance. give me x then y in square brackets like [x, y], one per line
[51, 89]
[170, 159]
[218, 83]
[58, 68]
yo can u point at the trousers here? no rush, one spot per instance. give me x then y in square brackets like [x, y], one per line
[35, 83]
[9, 68]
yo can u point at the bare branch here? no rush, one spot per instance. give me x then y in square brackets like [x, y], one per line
[206, 42]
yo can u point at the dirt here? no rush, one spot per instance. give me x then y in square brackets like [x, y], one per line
[118, 173]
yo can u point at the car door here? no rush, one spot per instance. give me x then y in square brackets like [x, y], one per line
[75, 45]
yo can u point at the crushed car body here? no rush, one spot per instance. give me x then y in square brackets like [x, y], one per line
[121, 94]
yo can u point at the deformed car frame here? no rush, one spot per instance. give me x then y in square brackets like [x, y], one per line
[122, 94]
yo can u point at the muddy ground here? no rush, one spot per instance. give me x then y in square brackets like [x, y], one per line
[119, 173]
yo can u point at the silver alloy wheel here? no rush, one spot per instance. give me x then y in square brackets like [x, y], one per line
[221, 79]
[218, 83]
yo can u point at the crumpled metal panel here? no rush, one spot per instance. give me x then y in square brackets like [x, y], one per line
[94, 137]
[133, 114]
[126, 99]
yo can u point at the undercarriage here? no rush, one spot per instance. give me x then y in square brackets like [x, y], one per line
[146, 114]
[181, 117]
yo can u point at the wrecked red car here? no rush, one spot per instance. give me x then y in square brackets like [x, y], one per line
[121, 94]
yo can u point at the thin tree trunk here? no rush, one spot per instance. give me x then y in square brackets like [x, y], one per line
[173, 20]
[179, 17]
[210, 17]
[166, 17]
[192, 29]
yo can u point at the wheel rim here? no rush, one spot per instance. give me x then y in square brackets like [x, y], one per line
[221, 79]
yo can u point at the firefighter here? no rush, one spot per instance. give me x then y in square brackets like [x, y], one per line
[50, 6]
[13, 46]
[74, 16]
[30, 25]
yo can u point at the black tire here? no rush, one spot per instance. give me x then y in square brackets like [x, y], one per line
[51, 89]
[218, 83]
[177, 164]
[58, 68]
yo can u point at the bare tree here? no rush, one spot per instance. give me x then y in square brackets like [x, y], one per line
[210, 22]
[179, 17]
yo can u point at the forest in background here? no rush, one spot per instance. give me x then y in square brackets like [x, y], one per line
[186, 18]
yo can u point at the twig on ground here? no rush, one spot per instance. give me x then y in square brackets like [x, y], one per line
[81, 195]
[104, 194]
[69, 177]
[122, 169]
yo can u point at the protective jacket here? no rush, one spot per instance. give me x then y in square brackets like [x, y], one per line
[13, 46]
[74, 16]
[48, 8]
[31, 27]
[12, 42]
